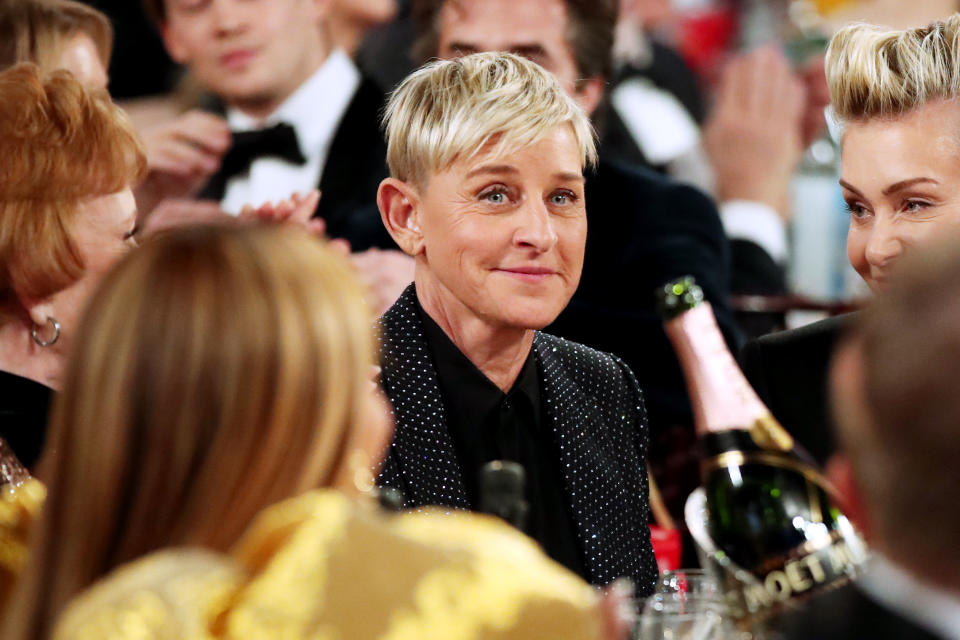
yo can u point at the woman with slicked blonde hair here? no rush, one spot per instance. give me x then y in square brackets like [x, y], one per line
[894, 99]
[487, 154]
[209, 464]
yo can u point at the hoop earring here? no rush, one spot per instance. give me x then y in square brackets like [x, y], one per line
[46, 343]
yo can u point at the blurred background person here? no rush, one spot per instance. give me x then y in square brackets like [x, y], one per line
[893, 93]
[301, 114]
[56, 34]
[895, 400]
[644, 229]
[67, 213]
[198, 419]
[487, 154]
[351, 20]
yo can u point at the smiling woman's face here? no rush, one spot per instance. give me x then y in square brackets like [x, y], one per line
[901, 181]
[503, 237]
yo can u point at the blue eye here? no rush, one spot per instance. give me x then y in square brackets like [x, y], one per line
[496, 195]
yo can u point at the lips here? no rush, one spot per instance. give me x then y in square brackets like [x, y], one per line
[531, 274]
[238, 59]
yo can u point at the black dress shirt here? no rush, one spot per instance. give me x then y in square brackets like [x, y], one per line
[487, 424]
[24, 405]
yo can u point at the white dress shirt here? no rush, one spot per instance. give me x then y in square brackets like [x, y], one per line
[924, 605]
[314, 110]
[758, 223]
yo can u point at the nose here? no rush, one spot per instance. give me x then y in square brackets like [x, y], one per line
[885, 244]
[536, 227]
[227, 17]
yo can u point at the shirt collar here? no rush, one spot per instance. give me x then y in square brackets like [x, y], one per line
[315, 108]
[452, 364]
[922, 604]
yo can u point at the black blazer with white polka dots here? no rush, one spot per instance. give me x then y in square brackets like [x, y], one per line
[595, 409]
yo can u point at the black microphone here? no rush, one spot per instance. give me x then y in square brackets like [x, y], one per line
[502, 492]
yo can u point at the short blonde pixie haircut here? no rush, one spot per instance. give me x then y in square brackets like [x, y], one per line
[452, 110]
[874, 72]
[62, 143]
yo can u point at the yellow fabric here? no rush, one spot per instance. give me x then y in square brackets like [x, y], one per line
[19, 507]
[322, 567]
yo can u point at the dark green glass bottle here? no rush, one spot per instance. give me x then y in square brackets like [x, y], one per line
[774, 526]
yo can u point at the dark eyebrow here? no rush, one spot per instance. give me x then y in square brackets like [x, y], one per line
[849, 187]
[531, 50]
[903, 184]
[492, 168]
[463, 48]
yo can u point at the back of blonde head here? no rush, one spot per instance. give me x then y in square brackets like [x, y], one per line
[453, 109]
[216, 371]
[875, 72]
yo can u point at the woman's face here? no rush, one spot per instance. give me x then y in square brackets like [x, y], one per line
[504, 236]
[81, 58]
[103, 231]
[901, 181]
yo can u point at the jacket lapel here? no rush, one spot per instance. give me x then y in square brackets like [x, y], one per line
[422, 447]
[593, 476]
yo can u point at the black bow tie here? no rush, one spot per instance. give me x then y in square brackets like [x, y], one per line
[279, 141]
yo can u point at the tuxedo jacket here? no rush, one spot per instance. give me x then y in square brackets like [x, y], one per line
[595, 411]
[355, 165]
[790, 371]
[848, 614]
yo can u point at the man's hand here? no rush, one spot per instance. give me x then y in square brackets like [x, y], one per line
[182, 154]
[178, 212]
[386, 273]
[753, 136]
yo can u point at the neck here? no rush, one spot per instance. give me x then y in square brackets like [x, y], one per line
[20, 355]
[345, 34]
[499, 351]
[263, 106]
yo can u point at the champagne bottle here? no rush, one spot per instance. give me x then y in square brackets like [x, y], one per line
[771, 512]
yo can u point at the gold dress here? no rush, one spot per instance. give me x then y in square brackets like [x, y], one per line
[324, 567]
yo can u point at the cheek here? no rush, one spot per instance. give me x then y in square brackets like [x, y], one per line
[857, 248]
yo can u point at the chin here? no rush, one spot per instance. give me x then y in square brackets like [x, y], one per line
[532, 314]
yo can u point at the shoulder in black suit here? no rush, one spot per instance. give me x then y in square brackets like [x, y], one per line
[847, 614]
[789, 370]
[356, 164]
[595, 411]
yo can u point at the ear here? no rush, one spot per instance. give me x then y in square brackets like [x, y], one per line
[590, 93]
[399, 205]
[841, 476]
[38, 310]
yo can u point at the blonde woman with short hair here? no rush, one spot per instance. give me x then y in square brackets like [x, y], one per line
[894, 99]
[486, 193]
[210, 461]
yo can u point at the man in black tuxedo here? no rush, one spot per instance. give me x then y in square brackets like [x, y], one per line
[644, 229]
[301, 115]
[893, 387]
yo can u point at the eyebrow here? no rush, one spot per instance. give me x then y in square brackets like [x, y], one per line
[894, 188]
[524, 50]
[506, 169]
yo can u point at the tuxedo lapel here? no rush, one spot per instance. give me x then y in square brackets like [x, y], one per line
[605, 482]
[422, 446]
